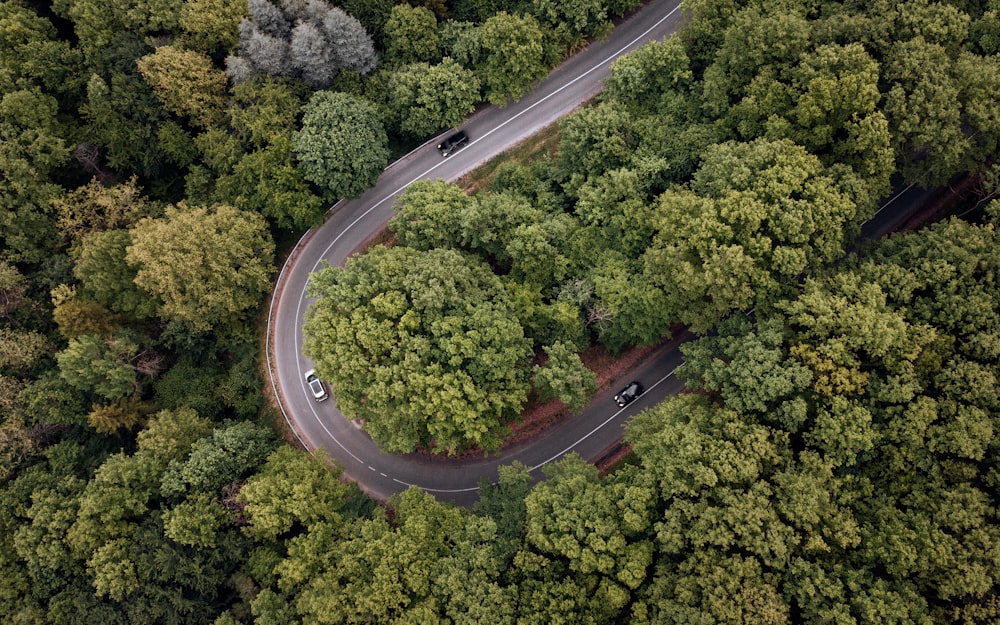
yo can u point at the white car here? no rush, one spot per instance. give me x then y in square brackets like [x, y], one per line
[316, 386]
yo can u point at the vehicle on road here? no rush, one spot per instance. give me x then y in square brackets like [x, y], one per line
[453, 142]
[316, 386]
[628, 394]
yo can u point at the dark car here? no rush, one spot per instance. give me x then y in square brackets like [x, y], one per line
[316, 386]
[628, 394]
[453, 142]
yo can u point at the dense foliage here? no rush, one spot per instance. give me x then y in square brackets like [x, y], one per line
[838, 462]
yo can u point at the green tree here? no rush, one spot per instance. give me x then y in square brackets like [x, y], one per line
[242, 389]
[261, 175]
[263, 110]
[13, 291]
[97, 23]
[123, 413]
[372, 14]
[266, 181]
[124, 117]
[977, 78]
[77, 316]
[503, 502]
[170, 434]
[564, 377]
[933, 148]
[425, 98]
[836, 91]
[422, 346]
[430, 214]
[740, 240]
[113, 503]
[227, 455]
[32, 147]
[746, 364]
[572, 21]
[95, 365]
[536, 250]
[870, 455]
[21, 350]
[643, 79]
[618, 205]
[210, 25]
[342, 146]
[512, 56]
[208, 267]
[293, 491]
[107, 278]
[33, 55]
[756, 43]
[598, 528]
[431, 564]
[624, 306]
[40, 540]
[196, 521]
[95, 207]
[594, 140]
[411, 35]
[50, 400]
[186, 82]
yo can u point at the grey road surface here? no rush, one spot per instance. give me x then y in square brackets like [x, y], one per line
[319, 425]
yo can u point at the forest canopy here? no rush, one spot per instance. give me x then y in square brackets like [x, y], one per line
[834, 461]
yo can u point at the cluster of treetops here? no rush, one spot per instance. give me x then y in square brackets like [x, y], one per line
[837, 461]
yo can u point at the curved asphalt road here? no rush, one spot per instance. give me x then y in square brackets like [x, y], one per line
[491, 131]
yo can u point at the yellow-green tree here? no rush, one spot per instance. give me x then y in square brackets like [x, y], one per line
[207, 267]
[186, 82]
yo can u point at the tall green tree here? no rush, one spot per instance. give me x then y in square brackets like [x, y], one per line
[107, 278]
[32, 147]
[425, 98]
[736, 240]
[594, 140]
[342, 146]
[33, 55]
[512, 56]
[207, 267]
[598, 528]
[229, 454]
[422, 346]
[430, 564]
[210, 25]
[565, 377]
[266, 181]
[924, 111]
[431, 214]
[186, 82]
[95, 207]
[643, 79]
[292, 492]
[97, 23]
[572, 21]
[758, 42]
[411, 35]
[124, 117]
[105, 367]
